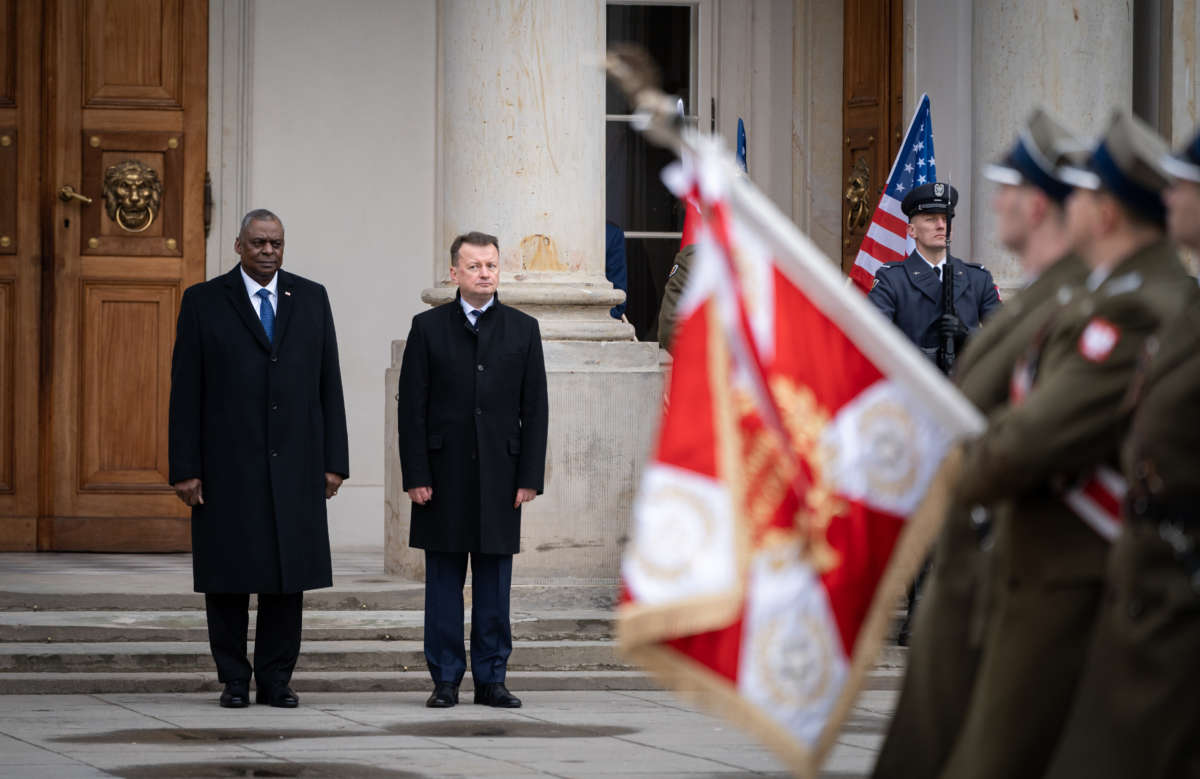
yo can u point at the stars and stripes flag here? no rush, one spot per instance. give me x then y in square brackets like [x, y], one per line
[787, 503]
[887, 236]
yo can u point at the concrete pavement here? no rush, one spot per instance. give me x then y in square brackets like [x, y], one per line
[369, 735]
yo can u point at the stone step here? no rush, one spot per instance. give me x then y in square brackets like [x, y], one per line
[163, 656]
[121, 626]
[346, 681]
[389, 595]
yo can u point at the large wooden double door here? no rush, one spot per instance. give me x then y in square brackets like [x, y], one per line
[102, 158]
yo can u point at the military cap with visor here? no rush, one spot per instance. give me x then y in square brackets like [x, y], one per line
[1042, 146]
[1186, 164]
[1126, 162]
[936, 197]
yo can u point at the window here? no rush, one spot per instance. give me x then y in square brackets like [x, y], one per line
[636, 199]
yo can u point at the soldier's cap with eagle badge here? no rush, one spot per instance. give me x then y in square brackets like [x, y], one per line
[1186, 164]
[936, 197]
[1042, 146]
[1127, 162]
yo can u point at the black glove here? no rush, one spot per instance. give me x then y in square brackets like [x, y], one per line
[950, 325]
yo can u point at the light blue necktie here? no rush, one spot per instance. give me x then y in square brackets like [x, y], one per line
[267, 314]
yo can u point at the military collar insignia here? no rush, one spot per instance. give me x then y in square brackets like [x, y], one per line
[1127, 282]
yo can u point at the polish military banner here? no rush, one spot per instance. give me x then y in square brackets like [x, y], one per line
[788, 501]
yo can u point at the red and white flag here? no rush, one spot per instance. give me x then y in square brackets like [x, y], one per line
[785, 508]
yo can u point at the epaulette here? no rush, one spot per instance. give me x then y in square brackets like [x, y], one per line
[974, 265]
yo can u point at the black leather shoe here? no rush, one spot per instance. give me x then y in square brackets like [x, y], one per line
[236, 695]
[279, 697]
[445, 695]
[496, 695]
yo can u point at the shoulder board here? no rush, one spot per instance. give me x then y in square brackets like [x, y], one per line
[1127, 282]
[978, 265]
[889, 267]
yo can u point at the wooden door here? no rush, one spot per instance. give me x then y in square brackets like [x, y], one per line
[872, 107]
[124, 109]
[20, 270]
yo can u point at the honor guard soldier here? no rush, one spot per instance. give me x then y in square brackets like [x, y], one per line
[910, 293]
[1030, 220]
[1042, 453]
[1137, 710]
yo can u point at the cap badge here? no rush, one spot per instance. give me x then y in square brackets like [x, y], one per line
[939, 190]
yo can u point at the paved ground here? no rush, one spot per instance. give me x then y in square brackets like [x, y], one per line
[378, 735]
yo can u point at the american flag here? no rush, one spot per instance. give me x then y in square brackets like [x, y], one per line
[887, 237]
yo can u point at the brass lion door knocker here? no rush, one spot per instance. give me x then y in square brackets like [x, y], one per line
[132, 195]
[857, 189]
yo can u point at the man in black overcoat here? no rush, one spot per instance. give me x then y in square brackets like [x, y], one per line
[473, 420]
[909, 293]
[257, 445]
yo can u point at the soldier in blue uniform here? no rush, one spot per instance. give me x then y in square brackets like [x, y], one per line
[909, 293]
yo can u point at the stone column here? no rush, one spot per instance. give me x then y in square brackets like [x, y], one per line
[521, 129]
[1075, 59]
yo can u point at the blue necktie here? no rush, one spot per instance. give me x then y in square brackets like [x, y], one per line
[267, 314]
[475, 313]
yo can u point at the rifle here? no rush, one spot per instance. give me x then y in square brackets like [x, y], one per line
[946, 349]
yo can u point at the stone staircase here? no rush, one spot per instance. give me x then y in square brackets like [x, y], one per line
[152, 638]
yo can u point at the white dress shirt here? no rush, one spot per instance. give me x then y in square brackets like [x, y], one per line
[468, 308]
[252, 288]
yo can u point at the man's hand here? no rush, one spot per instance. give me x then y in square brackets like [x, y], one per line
[332, 482]
[524, 496]
[189, 491]
[420, 495]
[950, 325]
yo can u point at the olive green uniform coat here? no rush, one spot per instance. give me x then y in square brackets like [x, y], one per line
[676, 281]
[1137, 711]
[947, 630]
[1048, 569]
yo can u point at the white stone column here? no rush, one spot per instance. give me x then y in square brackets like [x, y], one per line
[1075, 59]
[521, 132]
[522, 156]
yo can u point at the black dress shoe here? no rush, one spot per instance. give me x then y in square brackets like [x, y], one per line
[279, 697]
[236, 695]
[445, 695]
[496, 695]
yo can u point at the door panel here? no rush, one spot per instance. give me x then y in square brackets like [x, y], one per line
[128, 121]
[872, 104]
[20, 270]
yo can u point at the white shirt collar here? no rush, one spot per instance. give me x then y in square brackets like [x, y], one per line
[468, 308]
[1097, 277]
[252, 286]
[941, 264]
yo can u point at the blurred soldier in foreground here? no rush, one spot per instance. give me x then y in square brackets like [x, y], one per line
[676, 281]
[1065, 419]
[1137, 711]
[947, 629]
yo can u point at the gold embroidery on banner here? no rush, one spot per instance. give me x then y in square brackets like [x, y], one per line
[795, 661]
[891, 430]
[668, 553]
[766, 466]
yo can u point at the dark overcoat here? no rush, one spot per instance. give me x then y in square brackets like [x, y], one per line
[909, 293]
[472, 425]
[259, 423]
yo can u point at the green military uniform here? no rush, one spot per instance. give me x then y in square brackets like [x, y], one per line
[946, 637]
[676, 281]
[1048, 571]
[1137, 710]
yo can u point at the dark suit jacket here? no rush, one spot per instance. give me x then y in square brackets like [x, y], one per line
[260, 424]
[472, 425]
[910, 294]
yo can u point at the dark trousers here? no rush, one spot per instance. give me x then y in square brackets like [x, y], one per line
[276, 637]
[491, 632]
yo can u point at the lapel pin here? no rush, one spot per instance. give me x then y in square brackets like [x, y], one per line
[287, 292]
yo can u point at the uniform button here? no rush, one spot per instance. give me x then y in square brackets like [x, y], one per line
[274, 406]
[479, 367]
[274, 452]
[274, 358]
[478, 412]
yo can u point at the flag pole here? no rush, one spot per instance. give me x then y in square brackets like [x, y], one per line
[656, 118]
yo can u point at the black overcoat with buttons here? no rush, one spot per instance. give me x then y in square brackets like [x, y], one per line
[473, 420]
[259, 423]
[909, 293]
